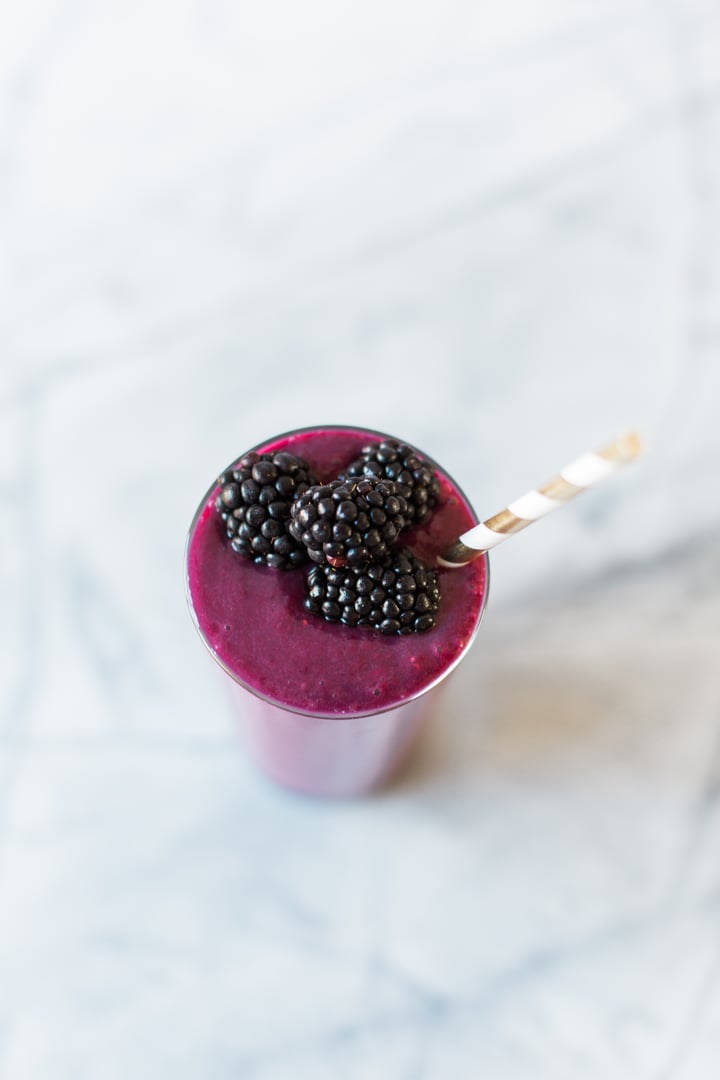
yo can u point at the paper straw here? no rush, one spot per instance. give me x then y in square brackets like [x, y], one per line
[578, 476]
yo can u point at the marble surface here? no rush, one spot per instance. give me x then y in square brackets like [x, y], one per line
[494, 230]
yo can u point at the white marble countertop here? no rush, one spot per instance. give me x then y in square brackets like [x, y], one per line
[495, 232]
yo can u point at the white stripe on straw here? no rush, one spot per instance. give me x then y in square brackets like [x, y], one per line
[579, 475]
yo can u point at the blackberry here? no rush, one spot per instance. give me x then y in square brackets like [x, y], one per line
[254, 502]
[348, 522]
[397, 594]
[396, 461]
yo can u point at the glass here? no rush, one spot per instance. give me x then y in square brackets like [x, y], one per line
[353, 748]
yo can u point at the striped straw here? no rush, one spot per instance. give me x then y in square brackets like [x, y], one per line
[574, 478]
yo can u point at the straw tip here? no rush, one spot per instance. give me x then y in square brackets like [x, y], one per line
[631, 445]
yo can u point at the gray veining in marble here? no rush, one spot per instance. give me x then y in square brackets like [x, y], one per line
[494, 230]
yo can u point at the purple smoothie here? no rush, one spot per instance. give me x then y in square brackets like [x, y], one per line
[331, 707]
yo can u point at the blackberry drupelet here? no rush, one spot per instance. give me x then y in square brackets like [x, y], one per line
[397, 594]
[348, 522]
[254, 502]
[396, 461]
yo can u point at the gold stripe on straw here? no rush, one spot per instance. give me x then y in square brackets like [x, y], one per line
[570, 481]
[506, 522]
[560, 489]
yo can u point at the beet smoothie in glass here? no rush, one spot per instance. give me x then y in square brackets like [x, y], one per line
[326, 708]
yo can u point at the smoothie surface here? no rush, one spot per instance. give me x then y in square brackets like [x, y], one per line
[253, 620]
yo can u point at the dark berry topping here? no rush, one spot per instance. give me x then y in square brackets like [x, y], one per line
[254, 502]
[396, 594]
[349, 522]
[396, 461]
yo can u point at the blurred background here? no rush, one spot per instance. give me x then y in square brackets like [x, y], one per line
[493, 231]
